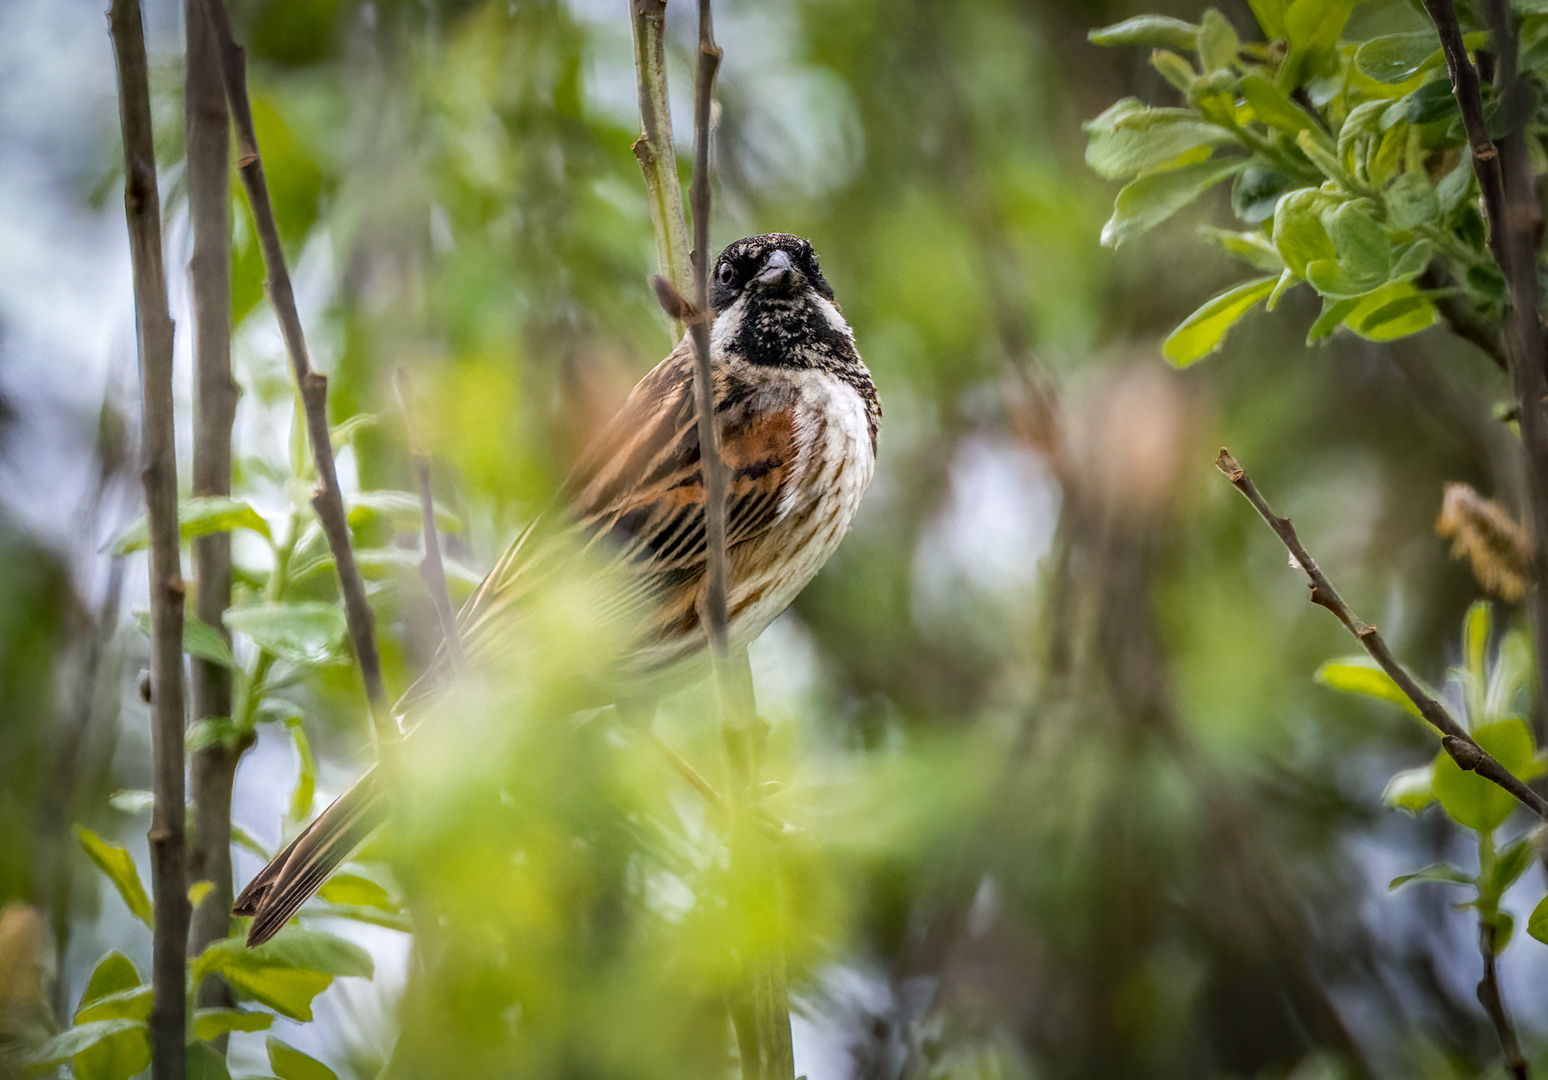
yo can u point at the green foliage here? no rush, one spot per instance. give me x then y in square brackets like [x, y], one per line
[197, 516]
[287, 972]
[289, 1063]
[1354, 152]
[118, 865]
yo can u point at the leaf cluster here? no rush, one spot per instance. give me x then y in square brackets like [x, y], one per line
[1347, 166]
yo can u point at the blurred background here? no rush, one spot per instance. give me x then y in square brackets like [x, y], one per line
[1072, 802]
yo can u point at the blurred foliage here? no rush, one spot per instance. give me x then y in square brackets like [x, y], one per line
[1063, 798]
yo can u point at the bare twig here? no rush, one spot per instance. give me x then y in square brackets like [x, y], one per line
[1510, 203]
[142, 208]
[431, 569]
[213, 767]
[1456, 741]
[704, 378]
[328, 502]
[1493, 1001]
[654, 149]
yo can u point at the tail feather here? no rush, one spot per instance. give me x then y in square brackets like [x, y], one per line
[279, 889]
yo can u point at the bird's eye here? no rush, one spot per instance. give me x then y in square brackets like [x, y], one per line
[726, 274]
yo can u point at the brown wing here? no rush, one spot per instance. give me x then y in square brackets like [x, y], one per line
[639, 488]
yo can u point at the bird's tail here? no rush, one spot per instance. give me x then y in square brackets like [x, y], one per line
[279, 889]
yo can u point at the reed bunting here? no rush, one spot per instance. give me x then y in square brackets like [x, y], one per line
[798, 417]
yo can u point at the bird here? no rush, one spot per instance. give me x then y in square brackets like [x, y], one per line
[798, 416]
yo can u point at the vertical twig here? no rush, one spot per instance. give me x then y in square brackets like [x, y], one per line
[760, 1008]
[213, 767]
[431, 568]
[142, 208]
[653, 149]
[1493, 1001]
[1510, 203]
[328, 502]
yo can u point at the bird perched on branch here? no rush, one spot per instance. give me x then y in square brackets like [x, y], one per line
[798, 417]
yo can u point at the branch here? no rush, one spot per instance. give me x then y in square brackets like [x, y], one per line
[213, 768]
[431, 569]
[328, 502]
[1490, 997]
[713, 466]
[1455, 739]
[1510, 203]
[142, 208]
[654, 149]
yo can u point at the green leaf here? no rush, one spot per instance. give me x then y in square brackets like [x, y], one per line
[1397, 58]
[354, 890]
[1431, 102]
[1129, 138]
[1201, 333]
[1251, 246]
[306, 776]
[1410, 201]
[213, 1023]
[1469, 799]
[289, 1063]
[1271, 106]
[1394, 318]
[1477, 624]
[1508, 867]
[345, 432]
[1363, 120]
[1453, 187]
[1334, 312]
[1298, 230]
[1411, 259]
[1174, 69]
[1150, 199]
[1537, 922]
[1271, 16]
[117, 1057]
[196, 517]
[199, 639]
[1286, 281]
[1312, 28]
[1361, 675]
[1442, 873]
[293, 947]
[1410, 790]
[286, 989]
[1147, 30]
[114, 973]
[72, 1041]
[305, 633]
[401, 509]
[118, 865]
[1393, 311]
[1256, 191]
[1217, 42]
[204, 1062]
[131, 1004]
[1363, 253]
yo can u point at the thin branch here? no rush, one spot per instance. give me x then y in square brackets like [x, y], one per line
[142, 208]
[1509, 190]
[653, 149]
[431, 568]
[328, 502]
[714, 467]
[1493, 1001]
[1455, 739]
[212, 770]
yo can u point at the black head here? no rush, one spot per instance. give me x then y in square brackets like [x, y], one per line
[775, 265]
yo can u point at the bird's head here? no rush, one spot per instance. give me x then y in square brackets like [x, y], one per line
[775, 266]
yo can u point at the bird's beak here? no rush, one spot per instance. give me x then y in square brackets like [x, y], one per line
[777, 269]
